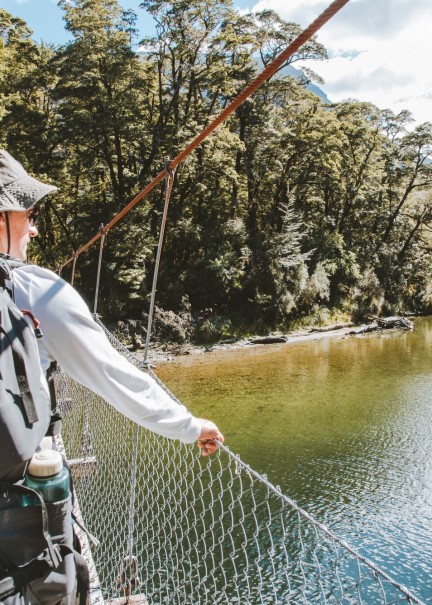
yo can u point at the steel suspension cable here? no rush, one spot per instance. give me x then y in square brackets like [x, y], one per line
[99, 270]
[269, 71]
[168, 187]
[73, 269]
[130, 541]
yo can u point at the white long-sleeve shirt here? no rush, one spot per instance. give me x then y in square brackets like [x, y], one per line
[73, 339]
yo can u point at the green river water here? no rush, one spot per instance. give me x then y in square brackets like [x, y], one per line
[343, 425]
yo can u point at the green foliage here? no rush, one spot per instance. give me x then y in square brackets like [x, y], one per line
[212, 329]
[317, 287]
[292, 212]
[367, 296]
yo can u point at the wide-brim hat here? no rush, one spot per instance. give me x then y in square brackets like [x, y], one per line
[18, 190]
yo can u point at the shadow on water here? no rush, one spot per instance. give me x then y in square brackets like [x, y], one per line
[343, 425]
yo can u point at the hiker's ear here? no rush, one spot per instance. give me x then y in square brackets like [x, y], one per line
[2, 218]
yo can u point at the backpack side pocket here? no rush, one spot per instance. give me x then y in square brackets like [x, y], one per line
[32, 531]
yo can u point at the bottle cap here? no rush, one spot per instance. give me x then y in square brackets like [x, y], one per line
[45, 463]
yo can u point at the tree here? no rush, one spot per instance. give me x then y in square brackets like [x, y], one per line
[27, 115]
[101, 85]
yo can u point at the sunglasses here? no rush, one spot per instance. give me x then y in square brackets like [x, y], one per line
[33, 215]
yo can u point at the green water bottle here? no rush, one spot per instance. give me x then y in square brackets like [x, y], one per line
[47, 475]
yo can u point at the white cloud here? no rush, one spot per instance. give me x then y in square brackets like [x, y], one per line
[379, 50]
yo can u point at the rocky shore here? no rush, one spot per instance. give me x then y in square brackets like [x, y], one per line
[164, 352]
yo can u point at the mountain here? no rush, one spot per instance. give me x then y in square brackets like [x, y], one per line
[297, 73]
[289, 70]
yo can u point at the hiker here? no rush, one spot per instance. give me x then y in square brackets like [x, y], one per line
[70, 335]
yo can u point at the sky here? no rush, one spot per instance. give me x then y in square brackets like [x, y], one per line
[379, 50]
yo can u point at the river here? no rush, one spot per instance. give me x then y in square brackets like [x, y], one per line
[343, 425]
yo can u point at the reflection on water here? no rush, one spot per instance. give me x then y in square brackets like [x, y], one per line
[343, 425]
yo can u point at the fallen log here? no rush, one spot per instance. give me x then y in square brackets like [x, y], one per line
[267, 340]
[386, 323]
[400, 322]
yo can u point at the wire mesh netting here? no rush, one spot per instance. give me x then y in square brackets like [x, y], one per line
[182, 529]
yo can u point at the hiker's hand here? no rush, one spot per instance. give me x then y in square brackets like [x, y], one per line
[207, 438]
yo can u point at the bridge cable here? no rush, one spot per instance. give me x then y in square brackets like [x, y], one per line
[130, 558]
[99, 269]
[169, 179]
[75, 256]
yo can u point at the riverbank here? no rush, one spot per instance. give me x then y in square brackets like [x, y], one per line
[165, 352]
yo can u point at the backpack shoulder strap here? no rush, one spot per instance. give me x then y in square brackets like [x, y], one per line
[5, 271]
[7, 264]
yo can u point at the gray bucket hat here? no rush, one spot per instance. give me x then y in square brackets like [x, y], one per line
[18, 190]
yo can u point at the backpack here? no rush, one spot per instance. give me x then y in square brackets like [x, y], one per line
[25, 404]
[36, 541]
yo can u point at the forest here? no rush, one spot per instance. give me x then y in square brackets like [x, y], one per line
[295, 212]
